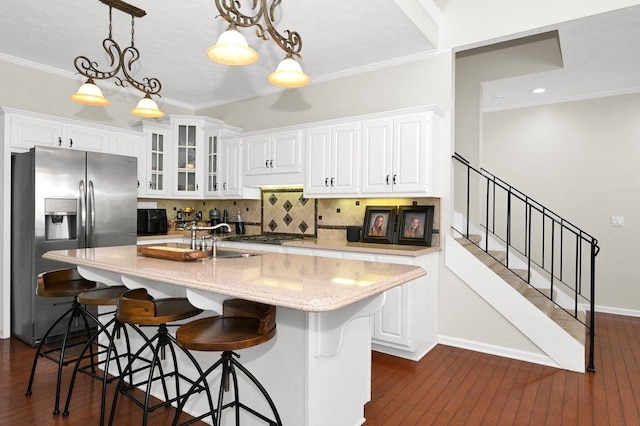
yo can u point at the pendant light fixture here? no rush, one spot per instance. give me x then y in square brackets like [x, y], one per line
[121, 60]
[232, 48]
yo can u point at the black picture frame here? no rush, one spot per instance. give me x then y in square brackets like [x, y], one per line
[370, 233]
[415, 225]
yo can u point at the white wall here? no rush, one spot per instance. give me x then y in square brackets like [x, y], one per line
[424, 82]
[582, 160]
[33, 90]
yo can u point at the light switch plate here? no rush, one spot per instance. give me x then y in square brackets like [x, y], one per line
[617, 221]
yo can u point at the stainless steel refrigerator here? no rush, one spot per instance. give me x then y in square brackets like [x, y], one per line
[63, 199]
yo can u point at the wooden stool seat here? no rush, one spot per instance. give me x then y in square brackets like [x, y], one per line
[243, 324]
[107, 296]
[222, 333]
[138, 307]
[64, 283]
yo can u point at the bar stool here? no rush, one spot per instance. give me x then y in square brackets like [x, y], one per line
[62, 283]
[137, 307]
[102, 297]
[243, 324]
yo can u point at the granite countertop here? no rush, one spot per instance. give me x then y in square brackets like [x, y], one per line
[306, 283]
[373, 248]
[313, 243]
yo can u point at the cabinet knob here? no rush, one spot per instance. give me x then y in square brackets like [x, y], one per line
[266, 164]
[332, 181]
[196, 186]
[215, 187]
[387, 180]
[224, 186]
[59, 141]
[326, 181]
[138, 184]
[395, 179]
[70, 143]
[271, 163]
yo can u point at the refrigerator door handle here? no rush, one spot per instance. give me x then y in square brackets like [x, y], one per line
[83, 214]
[91, 219]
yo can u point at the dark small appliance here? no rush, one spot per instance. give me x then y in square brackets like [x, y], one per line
[353, 233]
[152, 221]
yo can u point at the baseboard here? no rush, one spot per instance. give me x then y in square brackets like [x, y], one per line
[617, 311]
[497, 350]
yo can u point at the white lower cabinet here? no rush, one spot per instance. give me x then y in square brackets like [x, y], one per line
[407, 325]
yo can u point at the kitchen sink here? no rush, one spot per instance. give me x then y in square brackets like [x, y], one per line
[232, 254]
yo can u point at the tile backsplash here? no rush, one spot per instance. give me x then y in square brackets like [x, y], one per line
[286, 211]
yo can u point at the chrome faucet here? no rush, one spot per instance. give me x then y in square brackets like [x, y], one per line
[195, 228]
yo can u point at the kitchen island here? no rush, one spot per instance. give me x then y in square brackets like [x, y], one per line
[318, 367]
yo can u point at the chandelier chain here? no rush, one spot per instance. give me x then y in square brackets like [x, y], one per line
[120, 60]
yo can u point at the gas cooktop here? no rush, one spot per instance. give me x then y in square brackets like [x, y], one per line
[265, 238]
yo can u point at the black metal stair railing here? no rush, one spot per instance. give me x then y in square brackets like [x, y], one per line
[530, 233]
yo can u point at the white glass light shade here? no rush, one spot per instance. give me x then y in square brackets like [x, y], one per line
[147, 107]
[232, 49]
[289, 74]
[90, 94]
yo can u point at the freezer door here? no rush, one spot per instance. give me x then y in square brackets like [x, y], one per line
[111, 200]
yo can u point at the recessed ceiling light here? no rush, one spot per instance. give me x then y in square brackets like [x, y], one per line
[539, 90]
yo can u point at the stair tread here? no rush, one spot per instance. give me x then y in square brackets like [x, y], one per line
[517, 279]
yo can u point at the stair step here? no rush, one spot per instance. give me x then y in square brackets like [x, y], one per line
[517, 279]
[473, 239]
[540, 301]
[571, 325]
[513, 280]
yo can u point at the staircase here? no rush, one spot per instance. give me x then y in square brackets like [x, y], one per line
[541, 298]
[534, 267]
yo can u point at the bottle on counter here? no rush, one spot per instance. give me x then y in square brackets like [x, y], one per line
[239, 224]
[225, 219]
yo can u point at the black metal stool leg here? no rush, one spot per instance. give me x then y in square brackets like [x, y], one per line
[38, 354]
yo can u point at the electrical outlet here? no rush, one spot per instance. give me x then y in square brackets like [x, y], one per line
[617, 221]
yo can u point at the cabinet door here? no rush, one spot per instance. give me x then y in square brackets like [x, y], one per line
[258, 159]
[345, 159]
[231, 167]
[87, 139]
[377, 156]
[411, 156]
[212, 163]
[318, 167]
[285, 153]
[186, 161]
[156, 162]
[27, 132]
[391, 324]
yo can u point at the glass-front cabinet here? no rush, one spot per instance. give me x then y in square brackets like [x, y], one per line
[212, 163]
[186, 160]
[153, 161]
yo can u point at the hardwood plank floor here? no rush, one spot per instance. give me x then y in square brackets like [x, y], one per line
[449, 386]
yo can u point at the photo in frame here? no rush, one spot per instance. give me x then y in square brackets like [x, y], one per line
[415, 225]
[379, 224]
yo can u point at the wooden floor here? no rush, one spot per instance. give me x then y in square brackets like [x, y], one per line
[448, 387]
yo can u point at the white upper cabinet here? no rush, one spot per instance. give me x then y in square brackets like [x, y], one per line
[332, 160]
[399, 154]
[230, 180]
[188, 161]
[153, 161]
[272, 153]
[212, 163]
[27, 130]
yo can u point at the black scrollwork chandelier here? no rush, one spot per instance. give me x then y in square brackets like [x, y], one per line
[232, 48]
[122, 60]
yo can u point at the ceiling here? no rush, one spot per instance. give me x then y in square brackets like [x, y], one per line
[600, 54]
[338, 37]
